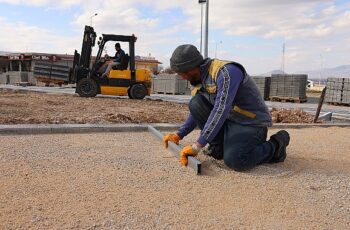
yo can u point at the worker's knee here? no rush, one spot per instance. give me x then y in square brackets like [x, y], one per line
[195, 104]
[237, 162]
[199, 104]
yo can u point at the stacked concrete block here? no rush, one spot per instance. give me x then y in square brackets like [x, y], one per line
[263, 84]
[51, 71]
[188, 88]
[11, 77]
[346, 91]
[334, 90]
[288, 86]
[24, 77]
[15, 77]
[4, 78]
[169, 84]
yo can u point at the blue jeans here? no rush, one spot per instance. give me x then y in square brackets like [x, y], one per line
[244, 147]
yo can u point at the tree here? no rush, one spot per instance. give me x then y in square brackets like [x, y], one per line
[168, 70]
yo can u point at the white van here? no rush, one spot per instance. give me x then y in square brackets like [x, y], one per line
[309, 84]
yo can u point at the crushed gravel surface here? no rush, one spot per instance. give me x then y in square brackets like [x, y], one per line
[128, 181]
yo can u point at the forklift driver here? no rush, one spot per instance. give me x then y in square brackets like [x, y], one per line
[115, 60]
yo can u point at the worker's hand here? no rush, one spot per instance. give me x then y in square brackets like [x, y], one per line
[171, 137]
[108, 58]
[189, 150]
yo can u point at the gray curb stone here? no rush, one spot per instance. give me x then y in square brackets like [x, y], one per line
[95, 128]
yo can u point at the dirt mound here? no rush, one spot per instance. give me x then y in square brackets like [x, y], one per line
[23, 107]
[291, 116]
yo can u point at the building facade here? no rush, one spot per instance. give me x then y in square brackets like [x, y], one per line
[18, 67]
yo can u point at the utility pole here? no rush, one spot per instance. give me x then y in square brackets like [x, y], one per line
[205, 51]
[201, 2]
[216, 46]
[320, 79]
[283, 56]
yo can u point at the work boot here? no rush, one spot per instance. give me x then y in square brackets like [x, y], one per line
[215, 150]
[280, 141]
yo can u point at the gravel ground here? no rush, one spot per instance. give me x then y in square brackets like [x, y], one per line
[128, 181]
[25, 107]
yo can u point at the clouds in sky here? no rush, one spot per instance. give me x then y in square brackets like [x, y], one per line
[252, 31]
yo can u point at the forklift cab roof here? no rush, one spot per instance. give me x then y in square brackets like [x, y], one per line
[121, 38]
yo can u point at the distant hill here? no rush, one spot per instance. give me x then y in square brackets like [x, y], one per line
[339, 71]
[276, 71]
[4, 52]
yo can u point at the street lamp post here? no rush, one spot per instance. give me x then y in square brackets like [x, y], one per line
[216, 46]
[206, 29]
[95, 14]
[206, 22]
[319, 81]
[201, 49]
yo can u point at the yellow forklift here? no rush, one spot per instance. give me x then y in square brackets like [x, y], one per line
[122, 80]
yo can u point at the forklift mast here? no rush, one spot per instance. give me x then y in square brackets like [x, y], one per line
[86, 49]
[81, 62]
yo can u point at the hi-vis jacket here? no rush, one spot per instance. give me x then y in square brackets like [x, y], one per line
[221, 85]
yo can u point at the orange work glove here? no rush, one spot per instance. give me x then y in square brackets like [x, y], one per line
[189, 150]
[171, 137]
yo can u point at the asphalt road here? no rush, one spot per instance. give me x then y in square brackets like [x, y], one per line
[339, 112]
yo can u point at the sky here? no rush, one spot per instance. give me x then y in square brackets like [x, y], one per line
[316, 33]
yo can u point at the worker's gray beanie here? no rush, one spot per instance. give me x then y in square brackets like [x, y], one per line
[185, 57]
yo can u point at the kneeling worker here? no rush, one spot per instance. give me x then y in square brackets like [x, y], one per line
[229, 110]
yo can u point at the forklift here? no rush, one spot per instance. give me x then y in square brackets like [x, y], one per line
[122, 80]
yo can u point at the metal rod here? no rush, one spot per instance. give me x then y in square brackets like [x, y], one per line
[175, 150]
[320, 102]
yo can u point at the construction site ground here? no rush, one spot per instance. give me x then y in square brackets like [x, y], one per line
[126, 180]
[20, 106]
[26, 107]
[103, 108]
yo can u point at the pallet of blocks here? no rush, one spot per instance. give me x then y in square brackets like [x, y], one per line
[169, 84]
[288, 88]
[263, 84]
[346, 92]
[334, 90]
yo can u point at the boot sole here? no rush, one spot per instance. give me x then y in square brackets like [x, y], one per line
[282, 149]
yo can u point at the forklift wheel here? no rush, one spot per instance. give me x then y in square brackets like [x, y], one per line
[137, 91]
[129, 93]
[87, 87]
